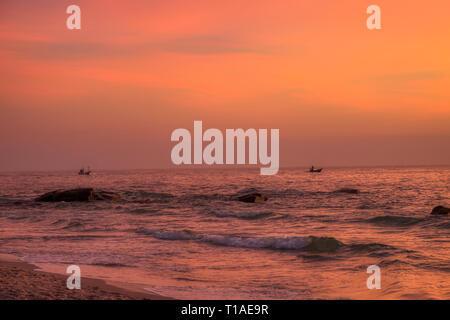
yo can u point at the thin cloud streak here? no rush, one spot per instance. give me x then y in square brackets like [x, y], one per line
[198, 45]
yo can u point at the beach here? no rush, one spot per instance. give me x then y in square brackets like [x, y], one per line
[23, 281]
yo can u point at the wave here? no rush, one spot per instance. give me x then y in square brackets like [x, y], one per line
[317, 257]
[287, 193]
[248, 190]
[309, 243]
[247, 215]
[374, 205]
[73, 225]
[142, 211]
[109, 264]
[146, 197]
[440, 266]
[74, 237]
[295, 193]
[17, 217]
[79, 226]
[370, 247]
[394, 262]
[445, 225]
[190, 279]
[347, 190]
[287, 243]
[142, 196]
[10, 202]
[396, 221]
[322, 244]
[169, 235]
[149, 194]
[58, 222]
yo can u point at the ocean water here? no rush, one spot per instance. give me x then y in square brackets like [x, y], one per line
[179, 232]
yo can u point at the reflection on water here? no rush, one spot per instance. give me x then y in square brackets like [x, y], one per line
[179, 233]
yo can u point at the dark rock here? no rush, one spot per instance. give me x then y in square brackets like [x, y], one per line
[252, 197]
[440, 210]
[347, 190]
[80, 194]
[106, 195]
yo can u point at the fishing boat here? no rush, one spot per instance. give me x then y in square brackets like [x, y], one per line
[83, 172]
[314, 170]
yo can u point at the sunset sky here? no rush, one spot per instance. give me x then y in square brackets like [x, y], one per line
[109, 95]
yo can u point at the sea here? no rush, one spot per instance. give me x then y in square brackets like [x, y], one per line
[182, 234]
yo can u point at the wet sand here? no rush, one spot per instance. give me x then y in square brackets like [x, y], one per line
[22, 281]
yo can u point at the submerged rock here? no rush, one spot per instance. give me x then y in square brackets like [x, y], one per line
[347, 190]
[440, 210]
[252, 197]
[79, 194]
[323, 244]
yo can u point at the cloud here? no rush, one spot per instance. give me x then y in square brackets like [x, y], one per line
[194, 45]
[409, 83]
[207, 45]
[411, 76]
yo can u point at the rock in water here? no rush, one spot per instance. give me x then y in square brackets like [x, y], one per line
[80, 194]
[252, 197]
[440, 210]
[323, 244]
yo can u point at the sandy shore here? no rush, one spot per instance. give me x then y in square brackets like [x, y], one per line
[21, 281]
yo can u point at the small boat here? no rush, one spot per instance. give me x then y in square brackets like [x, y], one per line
[83, 172]
[315, 170]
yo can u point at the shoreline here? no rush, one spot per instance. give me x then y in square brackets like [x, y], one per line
[20, 280]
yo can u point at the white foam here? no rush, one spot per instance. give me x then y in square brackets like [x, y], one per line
[286, 243]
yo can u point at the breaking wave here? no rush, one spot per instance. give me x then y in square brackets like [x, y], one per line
[247, 215]
[288, 243]
[310, 243]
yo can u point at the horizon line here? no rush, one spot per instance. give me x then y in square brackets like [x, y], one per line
[228, 167]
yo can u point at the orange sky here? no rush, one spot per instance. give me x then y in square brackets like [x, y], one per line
[110, 94]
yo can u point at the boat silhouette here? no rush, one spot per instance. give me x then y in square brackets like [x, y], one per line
[83, 172]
